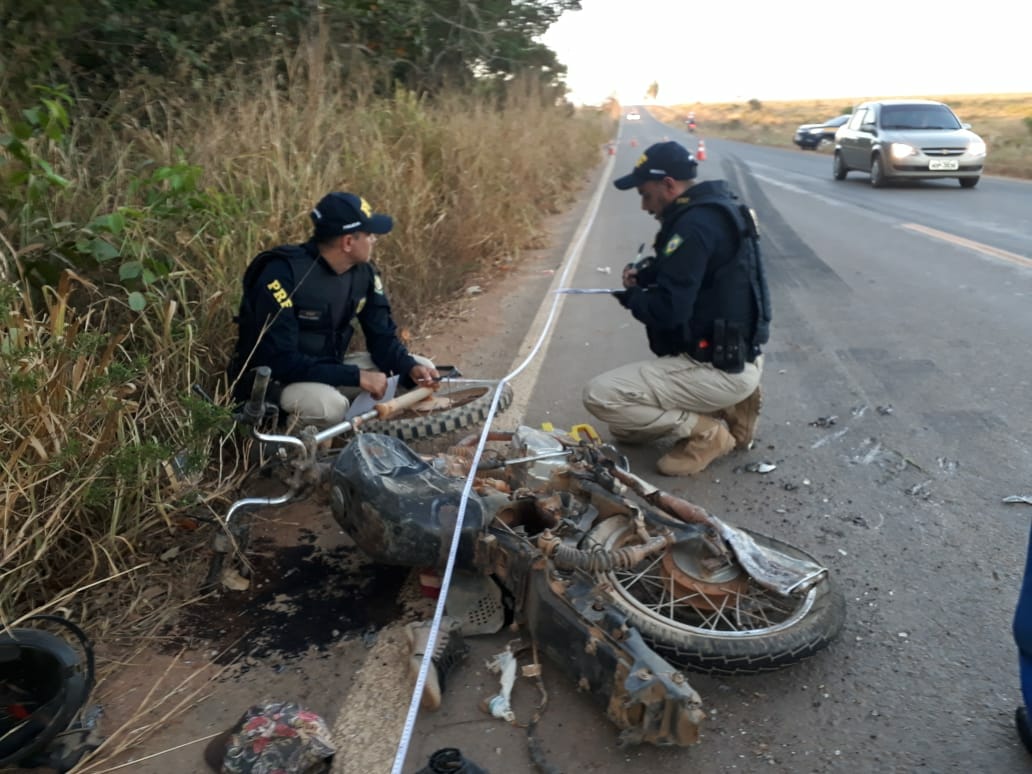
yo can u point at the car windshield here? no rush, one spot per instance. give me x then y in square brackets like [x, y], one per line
[918, 117]
[837, 121]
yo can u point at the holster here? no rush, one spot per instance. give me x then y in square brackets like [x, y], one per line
[730, 352]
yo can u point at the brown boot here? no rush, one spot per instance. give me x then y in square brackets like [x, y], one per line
[709, 440]
[741, 419]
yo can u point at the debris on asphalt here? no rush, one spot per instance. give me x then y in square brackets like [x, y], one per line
[922, 490]
[885, 410]
[604, 270]
[1026, 499]
[504, 665]
[760, 467]
[824, 421]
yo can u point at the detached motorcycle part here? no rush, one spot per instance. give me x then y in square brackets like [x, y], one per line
[476, 601]
[711, 617]
[450, 760]
[456, 405]
[587, 636]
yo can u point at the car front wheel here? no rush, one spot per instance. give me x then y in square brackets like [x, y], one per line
[839, 168]
[877, 172]
[967, 182]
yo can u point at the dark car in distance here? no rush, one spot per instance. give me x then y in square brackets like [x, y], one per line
[813, 136]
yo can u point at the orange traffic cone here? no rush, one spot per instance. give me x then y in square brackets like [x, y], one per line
[700, 154]
[612, 148]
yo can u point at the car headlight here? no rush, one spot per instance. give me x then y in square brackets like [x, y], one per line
[816, 130]
[976, 148]
[900, 150]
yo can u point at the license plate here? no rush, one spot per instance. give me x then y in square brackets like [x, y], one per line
[943, 164]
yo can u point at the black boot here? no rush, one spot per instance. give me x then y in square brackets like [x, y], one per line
[1024, 730]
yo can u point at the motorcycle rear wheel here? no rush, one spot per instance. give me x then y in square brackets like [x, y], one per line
[465, 403]
[730, 627]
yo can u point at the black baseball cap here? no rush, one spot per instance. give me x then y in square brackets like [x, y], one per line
[663, 159]
[344, 213]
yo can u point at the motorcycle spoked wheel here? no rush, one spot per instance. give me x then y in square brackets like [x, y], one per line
[463, 404]
[726, 624]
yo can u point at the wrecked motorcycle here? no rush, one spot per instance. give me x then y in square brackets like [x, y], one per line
[453, 404]
[621, 584]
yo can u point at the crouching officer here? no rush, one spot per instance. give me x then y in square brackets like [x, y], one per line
[296, 316]
[704, 302]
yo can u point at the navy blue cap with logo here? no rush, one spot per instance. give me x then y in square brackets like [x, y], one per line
[345, 213]
[663, 159]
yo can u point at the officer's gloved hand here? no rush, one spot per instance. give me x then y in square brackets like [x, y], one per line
[621, 296]
[646, 272]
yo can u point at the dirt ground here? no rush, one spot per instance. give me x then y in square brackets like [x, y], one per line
[319, 624]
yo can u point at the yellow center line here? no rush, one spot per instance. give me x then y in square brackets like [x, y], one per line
[996, 252]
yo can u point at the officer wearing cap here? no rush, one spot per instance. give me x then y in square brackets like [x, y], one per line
[704, 302]
[296, 316]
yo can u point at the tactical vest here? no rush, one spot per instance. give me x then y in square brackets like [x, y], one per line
[735, 291]
[322, 303]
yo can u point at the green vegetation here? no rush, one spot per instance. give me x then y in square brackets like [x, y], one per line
[423, 45]
[138, 183]
[1002, 120]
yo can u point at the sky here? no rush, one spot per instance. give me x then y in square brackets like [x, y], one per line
[730, 50]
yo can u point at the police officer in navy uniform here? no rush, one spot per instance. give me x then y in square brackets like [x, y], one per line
[704, 302]
[1022, 630]
[296, 316]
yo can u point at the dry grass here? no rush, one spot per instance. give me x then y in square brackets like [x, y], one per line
[108, 459]
[1002, 120]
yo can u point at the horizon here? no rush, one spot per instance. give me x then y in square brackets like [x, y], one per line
[852, 100]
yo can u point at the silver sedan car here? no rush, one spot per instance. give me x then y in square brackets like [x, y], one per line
[908, 139]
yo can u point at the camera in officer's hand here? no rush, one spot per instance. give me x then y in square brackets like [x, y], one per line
[646, 273]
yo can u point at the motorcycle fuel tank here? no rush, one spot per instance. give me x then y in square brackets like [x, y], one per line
[397, 508]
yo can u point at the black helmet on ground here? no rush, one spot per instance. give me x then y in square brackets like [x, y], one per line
[44, 681]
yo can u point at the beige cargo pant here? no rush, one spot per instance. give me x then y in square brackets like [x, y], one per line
[323, 405]
[653, 399]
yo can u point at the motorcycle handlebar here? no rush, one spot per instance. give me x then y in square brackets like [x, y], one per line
[383, 410]
[389, 408]
[254, 409]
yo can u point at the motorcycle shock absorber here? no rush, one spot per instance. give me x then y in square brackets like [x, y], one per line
[598, 559]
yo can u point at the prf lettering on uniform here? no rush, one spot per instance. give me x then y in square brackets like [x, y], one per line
[281, 296]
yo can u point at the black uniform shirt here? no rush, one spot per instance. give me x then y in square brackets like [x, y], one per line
[691, 245]
[271, 300]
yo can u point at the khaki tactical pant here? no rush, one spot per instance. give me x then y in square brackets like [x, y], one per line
[323, 405]
[642, 402]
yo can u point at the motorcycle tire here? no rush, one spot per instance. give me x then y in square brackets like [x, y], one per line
[471, 403]
[685, 638]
